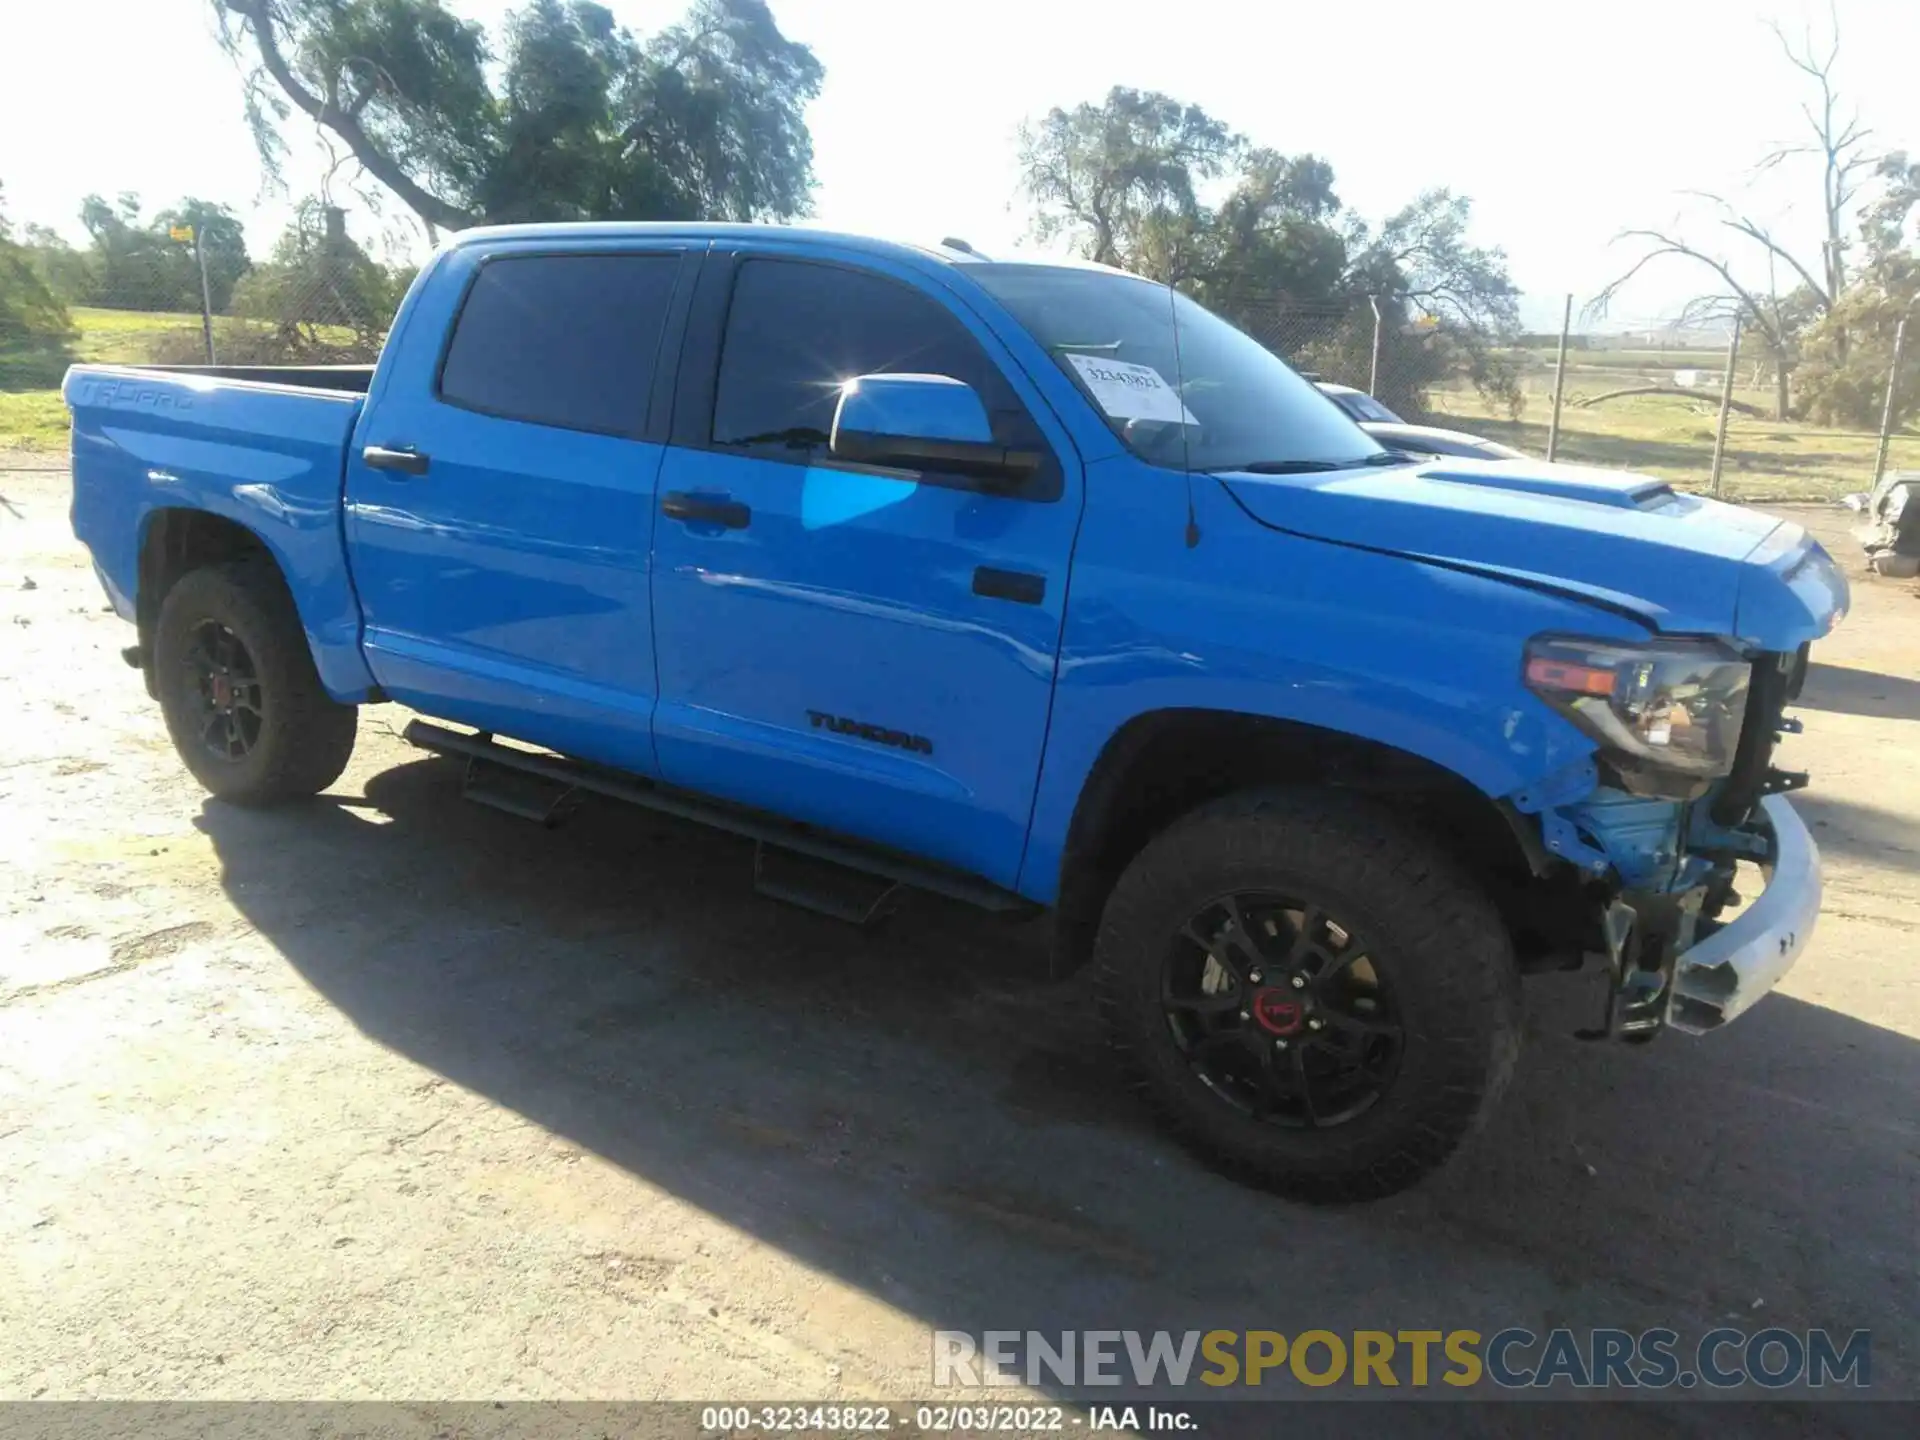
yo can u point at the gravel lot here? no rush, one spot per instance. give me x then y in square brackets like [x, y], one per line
[388, 1096]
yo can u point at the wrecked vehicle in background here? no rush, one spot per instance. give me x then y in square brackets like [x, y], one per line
[1891, 532]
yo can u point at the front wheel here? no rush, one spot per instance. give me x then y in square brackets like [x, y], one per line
[236, 683]
[1309, 993]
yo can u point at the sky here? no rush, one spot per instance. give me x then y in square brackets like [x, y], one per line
[1565, 123]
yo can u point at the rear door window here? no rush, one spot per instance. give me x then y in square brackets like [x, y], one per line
[570, 341]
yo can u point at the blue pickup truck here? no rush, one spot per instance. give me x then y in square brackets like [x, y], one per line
[1032, 584]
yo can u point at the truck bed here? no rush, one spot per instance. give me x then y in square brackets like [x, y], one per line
[346, 379]
[262, 446]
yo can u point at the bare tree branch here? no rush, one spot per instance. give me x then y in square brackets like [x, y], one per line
[1839, 141]
[1665, 245]
[259, 17]
[1840, 146]
[1747, 227]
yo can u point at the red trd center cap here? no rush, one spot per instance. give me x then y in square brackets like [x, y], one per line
[1279, 1012]
[222, 691]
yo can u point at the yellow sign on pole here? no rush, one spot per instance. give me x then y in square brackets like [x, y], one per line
[180, 232]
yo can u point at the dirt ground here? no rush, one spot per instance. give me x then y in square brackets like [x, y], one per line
[390, 1096]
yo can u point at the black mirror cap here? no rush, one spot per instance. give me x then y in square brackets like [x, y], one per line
[980, 460]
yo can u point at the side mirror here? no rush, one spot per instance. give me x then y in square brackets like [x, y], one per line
[923, 422]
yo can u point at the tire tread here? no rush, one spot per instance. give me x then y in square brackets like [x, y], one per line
[1471, 978]
[312, 734]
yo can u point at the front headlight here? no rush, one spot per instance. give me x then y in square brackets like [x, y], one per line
[1667, 713]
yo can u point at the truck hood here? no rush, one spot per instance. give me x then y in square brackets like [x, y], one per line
[1680, 564]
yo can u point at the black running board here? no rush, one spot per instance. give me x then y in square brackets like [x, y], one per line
[482, 752]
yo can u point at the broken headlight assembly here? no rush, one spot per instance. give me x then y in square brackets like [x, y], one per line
[1667, 713]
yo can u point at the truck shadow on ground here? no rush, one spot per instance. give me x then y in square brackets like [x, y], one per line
[923, 1114]
[1861, 692]
[1866, 834]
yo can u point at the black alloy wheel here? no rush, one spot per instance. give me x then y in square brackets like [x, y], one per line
[225, 691]
[1280, 1010]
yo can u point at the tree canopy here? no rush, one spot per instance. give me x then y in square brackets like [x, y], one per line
[1127, 181]
[134, 263]
[318, 298]
[566, 116]
[1846, 352]
[35, 331]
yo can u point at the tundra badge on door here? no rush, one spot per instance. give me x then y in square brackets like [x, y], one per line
[878, 734]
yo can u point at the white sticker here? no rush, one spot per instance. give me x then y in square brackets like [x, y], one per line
[1131, 392]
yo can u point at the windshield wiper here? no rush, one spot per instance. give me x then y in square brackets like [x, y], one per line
[1283, 467]
[1313, 467]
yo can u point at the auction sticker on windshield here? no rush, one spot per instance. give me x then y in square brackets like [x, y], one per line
[1131, 392]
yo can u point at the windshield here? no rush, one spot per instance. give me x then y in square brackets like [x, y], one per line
[1363, 406]
[1219, 401]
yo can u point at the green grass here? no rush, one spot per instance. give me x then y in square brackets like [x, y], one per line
[131, 337]
[37, 420]
[32, 420]
[1673, 439]
[119, 337]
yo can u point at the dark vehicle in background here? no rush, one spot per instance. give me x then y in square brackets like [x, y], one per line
[1396, 434]
[1358, 404]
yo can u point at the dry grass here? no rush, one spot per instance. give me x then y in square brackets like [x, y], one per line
[1672, 436]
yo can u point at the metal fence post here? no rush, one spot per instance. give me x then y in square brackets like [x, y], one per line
[1373, 370]
[206, 295]
[1893, 385]
[1559, 380]
[1726, 404]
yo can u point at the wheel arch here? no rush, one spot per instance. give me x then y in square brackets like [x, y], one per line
[175, 540]
[1164, 763]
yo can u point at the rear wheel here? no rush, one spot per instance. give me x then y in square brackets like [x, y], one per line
[1309, 993]
[236, 682]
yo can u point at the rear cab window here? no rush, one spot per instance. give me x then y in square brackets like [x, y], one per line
[570, 341]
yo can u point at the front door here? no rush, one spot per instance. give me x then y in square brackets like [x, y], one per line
[501, 502]
[870, 652]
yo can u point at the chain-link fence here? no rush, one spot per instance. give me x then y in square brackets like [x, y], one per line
[319, 285]
[195, 285]
[1365, 345]
[1653, 397]
[198, 283]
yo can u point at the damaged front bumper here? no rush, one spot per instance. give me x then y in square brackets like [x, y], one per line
[1673, 966]
[1719, 977]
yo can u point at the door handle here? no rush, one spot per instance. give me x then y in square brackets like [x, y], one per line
[407, 462]
[1015, 585]
[705, 509]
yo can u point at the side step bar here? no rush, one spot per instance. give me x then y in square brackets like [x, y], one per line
[481, 752]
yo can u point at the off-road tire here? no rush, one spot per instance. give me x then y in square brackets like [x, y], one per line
[305, 738]
[1441, 944]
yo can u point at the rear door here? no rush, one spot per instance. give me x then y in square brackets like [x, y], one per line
[870, 651]
[500, 497]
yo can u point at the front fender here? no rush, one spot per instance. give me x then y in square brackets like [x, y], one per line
[1416, 657]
